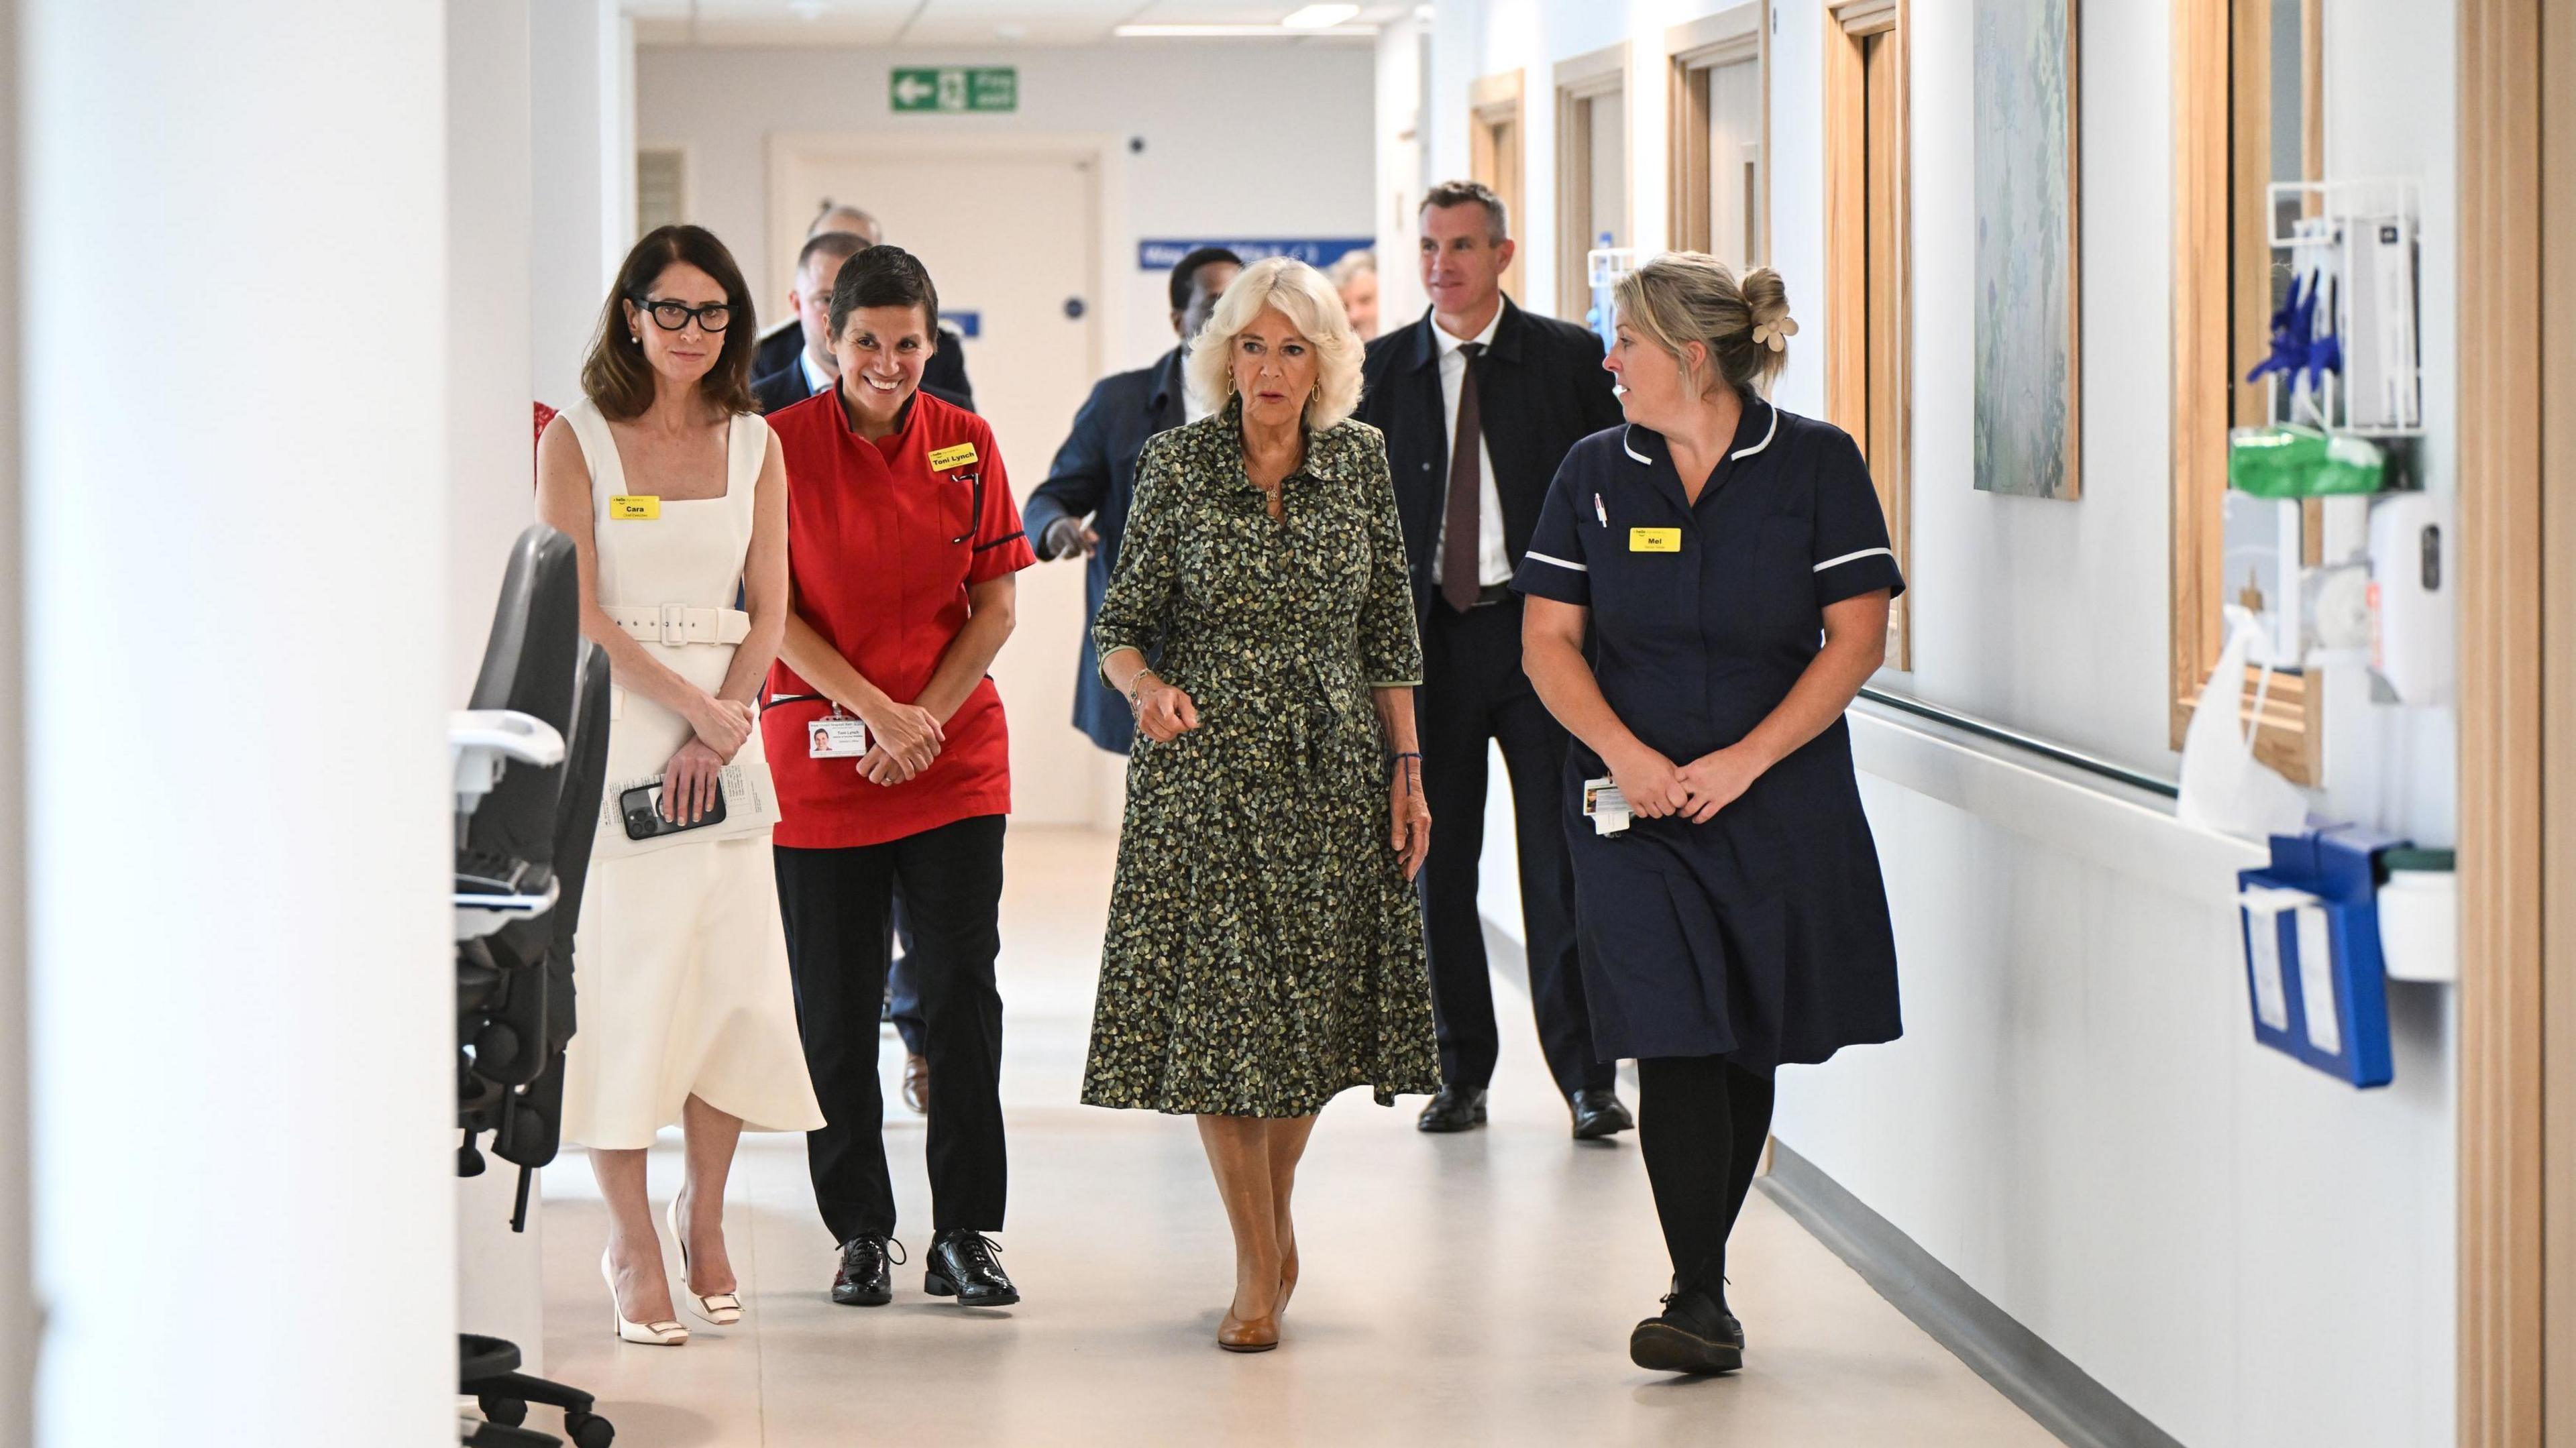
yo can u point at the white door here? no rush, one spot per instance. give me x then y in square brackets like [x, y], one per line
[1009, 238]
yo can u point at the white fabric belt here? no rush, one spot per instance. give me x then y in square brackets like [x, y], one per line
[676, 624]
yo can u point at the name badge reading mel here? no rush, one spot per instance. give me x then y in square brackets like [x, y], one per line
[635, 506]
[1654, 540]
[952, 457]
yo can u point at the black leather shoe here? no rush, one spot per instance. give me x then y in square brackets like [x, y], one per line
[962, 1266]
[1693, 1334]
[1597, 1113]
[1454, 1109]
[866, 1278]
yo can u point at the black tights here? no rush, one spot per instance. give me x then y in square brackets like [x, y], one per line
[1701, 1121]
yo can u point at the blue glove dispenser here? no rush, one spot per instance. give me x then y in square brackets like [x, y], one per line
[2312, 964]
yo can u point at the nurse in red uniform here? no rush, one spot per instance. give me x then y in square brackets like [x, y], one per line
[892, 763]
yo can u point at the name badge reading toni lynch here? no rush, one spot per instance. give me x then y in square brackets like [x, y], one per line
[633, 506]
[1654, 540]
[952, 457]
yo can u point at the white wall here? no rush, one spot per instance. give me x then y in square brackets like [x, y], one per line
[1223, 156]
[491, 468]
[2077, 1120]
[243, 981]
[17, 1297]
[582, 179]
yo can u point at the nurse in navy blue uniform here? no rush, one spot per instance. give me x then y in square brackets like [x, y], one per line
[1731, 565]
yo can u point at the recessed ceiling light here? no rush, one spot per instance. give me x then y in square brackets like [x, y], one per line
[807, 10]
[1316, 17]
[1011, 32]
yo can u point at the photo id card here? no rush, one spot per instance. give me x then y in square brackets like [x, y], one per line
[836, 736]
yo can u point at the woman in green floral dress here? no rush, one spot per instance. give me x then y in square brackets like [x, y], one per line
[1264, 949]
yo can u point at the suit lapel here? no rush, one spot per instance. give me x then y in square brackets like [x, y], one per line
[1169, 406]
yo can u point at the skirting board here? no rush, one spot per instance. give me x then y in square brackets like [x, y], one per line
[2039, 1379]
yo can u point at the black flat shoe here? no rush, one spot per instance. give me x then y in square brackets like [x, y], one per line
[1598, 1113]
[961, 1265]
[1693, 1334]
[866, 1278]
[1454, 1109]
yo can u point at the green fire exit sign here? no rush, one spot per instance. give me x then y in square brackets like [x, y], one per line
[957, 88]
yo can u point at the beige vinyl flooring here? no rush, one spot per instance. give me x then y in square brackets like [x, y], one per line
[1465, 1289]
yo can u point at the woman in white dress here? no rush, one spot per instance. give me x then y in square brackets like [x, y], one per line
[674, 493]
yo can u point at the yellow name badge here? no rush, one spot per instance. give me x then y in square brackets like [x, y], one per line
[629, 507]
[952, 457]
[1654, 540]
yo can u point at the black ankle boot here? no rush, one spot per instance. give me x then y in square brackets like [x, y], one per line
[1693, 1334]
[961, 1265]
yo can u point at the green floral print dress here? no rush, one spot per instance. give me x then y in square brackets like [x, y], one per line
[1264, 949]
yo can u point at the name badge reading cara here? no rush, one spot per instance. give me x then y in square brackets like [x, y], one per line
[1654, 540]
[952, 457]
[627, 507]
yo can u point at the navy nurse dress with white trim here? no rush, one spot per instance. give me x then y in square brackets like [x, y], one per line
[1763, 935]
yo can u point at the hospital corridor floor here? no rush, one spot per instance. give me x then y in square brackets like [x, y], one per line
[1471, 1289]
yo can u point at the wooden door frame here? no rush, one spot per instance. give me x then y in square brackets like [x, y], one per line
[1501, 98]
[2517, 451]
[1733, 35]
[1847, 268]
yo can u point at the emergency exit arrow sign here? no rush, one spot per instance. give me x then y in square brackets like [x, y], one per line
[956, 88]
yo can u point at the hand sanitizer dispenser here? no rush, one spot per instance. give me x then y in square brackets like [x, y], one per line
[2414, 553]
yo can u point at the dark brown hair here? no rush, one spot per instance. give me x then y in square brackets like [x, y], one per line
[884, 276]
[1498, 219]
[616, 376]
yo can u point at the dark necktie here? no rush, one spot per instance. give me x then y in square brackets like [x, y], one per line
[1460, 530]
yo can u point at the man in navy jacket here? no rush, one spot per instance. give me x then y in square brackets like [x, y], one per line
[1093, 477]
[1479, 402]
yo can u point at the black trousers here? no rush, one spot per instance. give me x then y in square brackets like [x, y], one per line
[1701, 1124]
[1473, 690]
[836, 904]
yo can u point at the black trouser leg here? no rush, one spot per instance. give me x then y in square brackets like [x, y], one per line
[834, 905]
[1701, 1123]
[951, 880]
[1449, 716]
[1534, 747]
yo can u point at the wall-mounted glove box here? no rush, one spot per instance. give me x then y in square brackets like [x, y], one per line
[2312, 955]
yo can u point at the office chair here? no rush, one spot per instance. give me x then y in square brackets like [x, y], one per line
[531, 763]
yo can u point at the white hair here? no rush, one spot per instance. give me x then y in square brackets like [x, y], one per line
[1313, 306]
[1351, 265]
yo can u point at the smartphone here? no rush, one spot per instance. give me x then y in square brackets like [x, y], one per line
[642, 809]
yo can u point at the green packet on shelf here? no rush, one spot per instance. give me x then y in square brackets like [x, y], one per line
[2300, 462]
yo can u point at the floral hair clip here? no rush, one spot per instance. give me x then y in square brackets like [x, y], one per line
[1775, 334]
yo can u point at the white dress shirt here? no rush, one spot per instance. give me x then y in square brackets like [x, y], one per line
[1493, 562]
[816, 379]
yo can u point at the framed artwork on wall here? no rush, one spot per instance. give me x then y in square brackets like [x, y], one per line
[2028, 365]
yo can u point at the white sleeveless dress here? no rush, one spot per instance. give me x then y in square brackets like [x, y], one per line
[680, 965]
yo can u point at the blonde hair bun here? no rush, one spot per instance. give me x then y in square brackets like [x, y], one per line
[1742, 327]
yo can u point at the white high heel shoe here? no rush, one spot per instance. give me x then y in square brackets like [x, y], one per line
[648, 1334]
[724, 1309]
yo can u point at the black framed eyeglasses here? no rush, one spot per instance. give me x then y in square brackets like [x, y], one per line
[671, 316]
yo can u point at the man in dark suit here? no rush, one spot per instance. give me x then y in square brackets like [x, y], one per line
[809, 301]
[1081, 509]
[1514, 391]
[773, 360]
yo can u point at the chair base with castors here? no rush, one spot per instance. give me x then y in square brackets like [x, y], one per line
[488, 1370]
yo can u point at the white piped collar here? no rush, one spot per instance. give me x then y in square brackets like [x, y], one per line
[1767, 434]
[1770, 430]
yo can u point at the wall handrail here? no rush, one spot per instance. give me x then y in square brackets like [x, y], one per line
[2001, 734]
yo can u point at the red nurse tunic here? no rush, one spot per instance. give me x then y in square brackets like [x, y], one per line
[884, 538]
